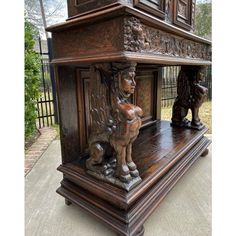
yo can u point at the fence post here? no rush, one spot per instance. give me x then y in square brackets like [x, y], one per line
[53, 81]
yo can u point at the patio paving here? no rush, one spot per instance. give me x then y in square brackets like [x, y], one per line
[35, 151]
[185, 211]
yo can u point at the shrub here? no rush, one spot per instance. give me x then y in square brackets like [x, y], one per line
[32, 81]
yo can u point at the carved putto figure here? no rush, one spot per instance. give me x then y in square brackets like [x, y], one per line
[115, 124]
[191, 95]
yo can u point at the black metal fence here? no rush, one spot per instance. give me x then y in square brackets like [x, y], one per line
[47, 103]
[169, 85]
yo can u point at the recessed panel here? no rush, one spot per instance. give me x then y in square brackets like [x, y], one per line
[183, 13]
[144, 95]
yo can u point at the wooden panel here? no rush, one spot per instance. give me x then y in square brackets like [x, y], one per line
[89, 40]
[83, 107]
[147, 94]
[155, 7]
[67, 103]
[144, 94]
[183, 13]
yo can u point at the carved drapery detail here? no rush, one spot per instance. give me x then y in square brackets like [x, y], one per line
[190, 96]
[115, 124]
[142, 38]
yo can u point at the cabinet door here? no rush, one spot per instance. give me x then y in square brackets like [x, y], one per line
[155, 7]
[183, 13]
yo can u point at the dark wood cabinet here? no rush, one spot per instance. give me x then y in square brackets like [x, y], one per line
[119, 159]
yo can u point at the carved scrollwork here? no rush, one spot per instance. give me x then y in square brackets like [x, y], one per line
[115, 124]
[191, 95]
[141, 38]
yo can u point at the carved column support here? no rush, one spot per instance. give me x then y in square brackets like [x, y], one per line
[190, 96]
[115, 124]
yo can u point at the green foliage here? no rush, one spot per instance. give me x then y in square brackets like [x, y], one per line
[203, 19]
[32, 80]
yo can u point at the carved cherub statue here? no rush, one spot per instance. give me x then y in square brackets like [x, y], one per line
[115, 125]
[191, 95]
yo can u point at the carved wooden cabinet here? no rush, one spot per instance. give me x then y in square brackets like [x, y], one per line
[119, 159]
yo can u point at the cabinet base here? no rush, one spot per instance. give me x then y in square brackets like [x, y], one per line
[123, 212]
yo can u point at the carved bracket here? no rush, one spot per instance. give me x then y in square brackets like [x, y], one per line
[115, 124]
[190, 95]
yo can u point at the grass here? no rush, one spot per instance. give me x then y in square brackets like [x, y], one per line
[204, 114]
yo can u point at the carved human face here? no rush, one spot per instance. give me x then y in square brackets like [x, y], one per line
[128, 83]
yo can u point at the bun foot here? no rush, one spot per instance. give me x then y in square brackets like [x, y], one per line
[139, 232]
[206, 151]
[67, 202]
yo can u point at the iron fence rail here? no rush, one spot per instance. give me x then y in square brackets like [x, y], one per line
[46, 103]
[169, 85]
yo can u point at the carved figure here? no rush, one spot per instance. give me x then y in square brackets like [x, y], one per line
[191, 95]
[115, 124]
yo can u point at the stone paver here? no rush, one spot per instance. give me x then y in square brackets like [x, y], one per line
[34, 152]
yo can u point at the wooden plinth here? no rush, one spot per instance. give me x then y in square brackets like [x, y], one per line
[162, 153]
